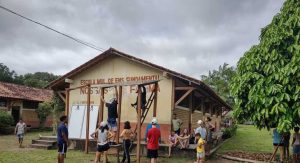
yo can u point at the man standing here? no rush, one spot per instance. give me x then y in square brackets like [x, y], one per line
[20, 131]
[62, 138]
[201, 129]
[112, 112]
[153, 137]
[176, 123]
[149, 126]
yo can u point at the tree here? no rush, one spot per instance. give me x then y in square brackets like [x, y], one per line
[220, 80]
[6, 75]
[44, 109]
[38, 79]
[267, 85]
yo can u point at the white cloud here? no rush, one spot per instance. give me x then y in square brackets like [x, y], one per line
[190, 37]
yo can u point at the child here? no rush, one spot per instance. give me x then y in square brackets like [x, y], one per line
[127, 135]
[184, 139]
[200, 149]
[296, 144]
[20, 131]
[173, 141]
[102, 141]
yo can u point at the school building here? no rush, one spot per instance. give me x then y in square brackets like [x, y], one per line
[188, 97]
[21, 102]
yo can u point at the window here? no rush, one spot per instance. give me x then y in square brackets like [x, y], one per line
[30, 104]
[3, 102]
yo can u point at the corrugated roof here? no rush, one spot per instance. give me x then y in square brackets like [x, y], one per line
[15, 91]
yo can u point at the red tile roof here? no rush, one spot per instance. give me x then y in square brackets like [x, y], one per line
[15, 91]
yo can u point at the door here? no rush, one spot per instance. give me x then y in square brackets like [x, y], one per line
[15, 112]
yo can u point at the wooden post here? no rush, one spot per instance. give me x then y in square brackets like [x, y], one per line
[87, 133]
[67, 102]
[172, 103]
[138, 145]
[119, 119]
[190, 111]
[155, 99]
[101, 107]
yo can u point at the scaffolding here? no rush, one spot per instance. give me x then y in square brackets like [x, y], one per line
[140, 118]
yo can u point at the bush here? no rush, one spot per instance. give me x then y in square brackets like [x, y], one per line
[229, 131]
[6, 121]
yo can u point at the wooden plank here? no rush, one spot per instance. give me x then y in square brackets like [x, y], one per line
[155, 99]
[190, 112]
[67, 103]
[87, 134]
[172, 103]
[184, 96]
[61, 96]
[119, 96]
[130, 83]
[101, 107]
[138, 146]
[183, 88]
[202, 107]
[82, 86]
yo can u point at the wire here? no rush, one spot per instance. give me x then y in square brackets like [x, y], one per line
[45, 26]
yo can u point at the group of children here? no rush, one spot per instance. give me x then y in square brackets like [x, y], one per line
[103, 134]
[202, 136]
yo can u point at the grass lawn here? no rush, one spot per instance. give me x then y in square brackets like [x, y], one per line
[249, 139]
[10, 153]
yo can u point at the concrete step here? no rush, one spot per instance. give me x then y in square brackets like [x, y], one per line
[52, 138]
[45, 142]
[41, 146]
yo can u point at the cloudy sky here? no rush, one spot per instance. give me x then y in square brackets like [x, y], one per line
[191, 36]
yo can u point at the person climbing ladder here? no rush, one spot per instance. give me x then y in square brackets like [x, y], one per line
[144, 101]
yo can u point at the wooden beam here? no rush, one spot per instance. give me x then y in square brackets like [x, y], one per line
[155, 99]
[202, 107]
[61, 96]
[67, 103]
[172, 103]
[119, 119]
[101, 107]
[190, 112]
[87, 133]
[183, 88]
[184, 96]
[138, 145]
[119, 112]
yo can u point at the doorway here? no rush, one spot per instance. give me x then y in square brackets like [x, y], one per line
[15, 112]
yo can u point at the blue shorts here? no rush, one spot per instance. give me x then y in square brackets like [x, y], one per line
[112, 124]
[20, 136]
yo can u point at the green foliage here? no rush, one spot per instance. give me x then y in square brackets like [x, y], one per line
[267, 85]
[6, 120]
[43, 111]
[6, 75]
[229, 131]
[219, 80]
[38, 79]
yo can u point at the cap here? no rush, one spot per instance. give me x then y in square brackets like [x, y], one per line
[103, 123]
[199, 122]
[154, 121]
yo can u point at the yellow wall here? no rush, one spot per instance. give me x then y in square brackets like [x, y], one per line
[112, 70]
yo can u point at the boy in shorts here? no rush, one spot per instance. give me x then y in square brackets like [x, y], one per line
[200, 149]
[20, 131]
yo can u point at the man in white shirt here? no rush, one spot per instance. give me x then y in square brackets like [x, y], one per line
[201, 129]
[20, 131]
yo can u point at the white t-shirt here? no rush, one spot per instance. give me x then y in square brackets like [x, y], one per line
[102, 137]
[20, 128]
